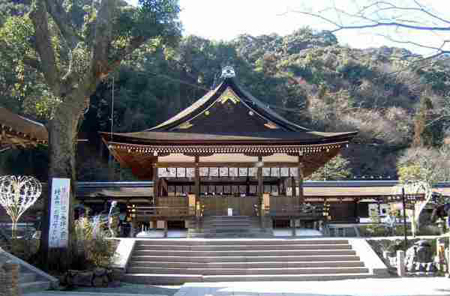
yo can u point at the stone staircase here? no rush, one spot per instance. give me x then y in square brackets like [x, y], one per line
[229, 227]
[30, 278]
[29, 282]
[168, 261]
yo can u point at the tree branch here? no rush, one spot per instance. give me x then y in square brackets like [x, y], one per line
[64, 22]
[438, 49]
[375, 24]
[100, 66]
[389, 6]
[44, 48]
[33, 63]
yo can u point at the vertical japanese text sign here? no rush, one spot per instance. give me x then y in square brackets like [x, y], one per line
[59, 214]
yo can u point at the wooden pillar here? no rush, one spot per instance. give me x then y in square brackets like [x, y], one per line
[260, 179]
[293, 187]
[356, 210]
[260, 189]
[197, 183]
[247, 186]
[155, 181]
[197, 178]
[300, 168]
[294, 231]
[166, 228]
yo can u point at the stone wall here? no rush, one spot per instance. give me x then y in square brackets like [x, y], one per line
[9, 279]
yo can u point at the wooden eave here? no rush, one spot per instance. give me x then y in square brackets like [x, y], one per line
[142, 163]
[20, 132]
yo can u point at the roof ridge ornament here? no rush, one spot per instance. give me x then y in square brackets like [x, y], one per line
[228, 72]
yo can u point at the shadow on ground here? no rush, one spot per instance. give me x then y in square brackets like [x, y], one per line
[126, 288]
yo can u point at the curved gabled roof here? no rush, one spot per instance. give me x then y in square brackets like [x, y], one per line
[228, 114]
[212, 96]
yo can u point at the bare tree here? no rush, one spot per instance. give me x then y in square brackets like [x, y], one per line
[396, 18]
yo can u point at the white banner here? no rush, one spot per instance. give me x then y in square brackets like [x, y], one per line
[59, 214]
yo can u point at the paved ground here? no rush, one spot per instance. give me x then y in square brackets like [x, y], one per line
[362, 287]
[126, 288]
[123, 290]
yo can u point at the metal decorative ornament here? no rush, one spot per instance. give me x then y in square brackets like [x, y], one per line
[228, 72]
[17, 194]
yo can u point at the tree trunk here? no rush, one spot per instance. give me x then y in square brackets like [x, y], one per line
[62, 150]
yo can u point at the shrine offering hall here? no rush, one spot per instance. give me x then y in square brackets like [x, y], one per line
[227, 155]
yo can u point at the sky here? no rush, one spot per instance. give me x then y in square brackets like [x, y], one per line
[225, 20]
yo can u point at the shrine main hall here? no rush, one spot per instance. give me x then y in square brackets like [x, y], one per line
[227, 155]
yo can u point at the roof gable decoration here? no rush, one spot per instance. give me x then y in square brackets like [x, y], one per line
[185, 125]
[228, 95]
[271, 125]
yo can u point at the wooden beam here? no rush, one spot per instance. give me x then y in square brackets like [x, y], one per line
[8, 141]
[19, 141]
[220, 182]
[225, 164]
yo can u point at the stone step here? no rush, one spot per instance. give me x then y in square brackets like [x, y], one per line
[34, 286]
[218, 221]
[230, 230]
[178, 279]
[243, 247]
[178, 261]
[230, 235]
[240, 259]
[242, 253]
[266, 242]
[248, 271]
[229, 225]
[297, 277]
[26, 277]
[225, 265]
[208, 218]
[226, 229]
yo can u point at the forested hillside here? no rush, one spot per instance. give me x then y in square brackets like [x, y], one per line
[396, 100]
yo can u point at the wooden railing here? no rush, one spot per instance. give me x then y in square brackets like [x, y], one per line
[217, 205]
[291, 207]
[148, 212]
[301, 211]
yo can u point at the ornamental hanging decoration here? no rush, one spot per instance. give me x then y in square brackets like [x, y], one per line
[17, 194]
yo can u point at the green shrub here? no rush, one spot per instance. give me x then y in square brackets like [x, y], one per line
[96, 251]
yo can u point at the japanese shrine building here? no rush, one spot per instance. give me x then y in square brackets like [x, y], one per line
[228, 150]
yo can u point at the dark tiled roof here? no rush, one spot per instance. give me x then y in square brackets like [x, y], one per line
[242, 128]
[210, 98]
